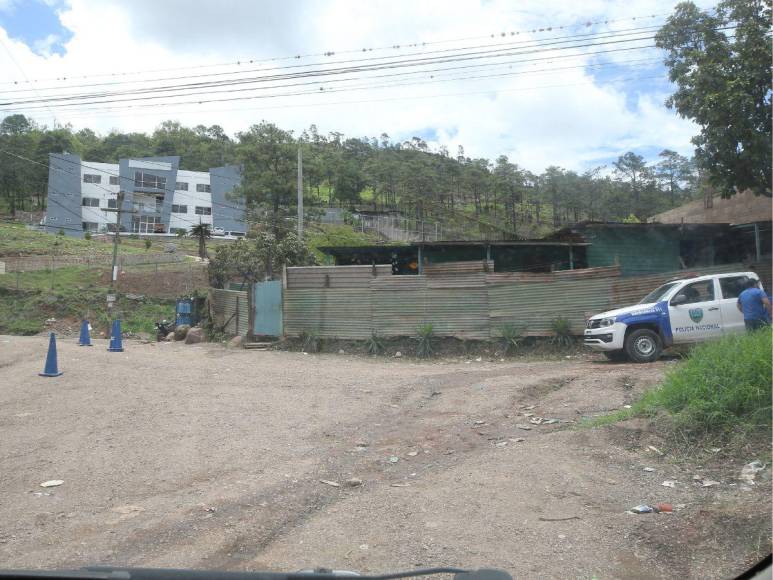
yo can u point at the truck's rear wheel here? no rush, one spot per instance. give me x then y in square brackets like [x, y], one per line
[616, 355]
[643, 345]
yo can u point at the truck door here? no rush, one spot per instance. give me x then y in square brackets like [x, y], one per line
[732, 318]
[695, 312]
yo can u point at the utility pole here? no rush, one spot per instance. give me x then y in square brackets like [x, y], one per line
[118, 211]
[300, 193]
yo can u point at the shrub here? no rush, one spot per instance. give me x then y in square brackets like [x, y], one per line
[310, 341]
[724, 384]
[426, 335]
[375, 343]
[562, 331]
[60, 232]
[87, 236]
[148, 243]
[510, 337]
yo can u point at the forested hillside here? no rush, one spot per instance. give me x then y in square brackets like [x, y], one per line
[380, 173]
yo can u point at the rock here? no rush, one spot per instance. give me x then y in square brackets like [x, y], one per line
[709, 483]
[398, 354]
[649, 469]
[181, 331]
[170, 337]
[195, 335]
[479, 359]
[413, 453]
[362, 444]
[50, 320]
[52, 483]
[330, 483]
[341, 351]
[517, 440]
[235, 342]
[394, 459]
[750, 470]
[354, 482]
[669, 483]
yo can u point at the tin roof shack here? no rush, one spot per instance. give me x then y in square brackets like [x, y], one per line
[641, 249]
[507, 256]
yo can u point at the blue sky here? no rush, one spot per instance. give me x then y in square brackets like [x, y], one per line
[578, 116]
[36, 24]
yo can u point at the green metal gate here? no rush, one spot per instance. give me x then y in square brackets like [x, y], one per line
[267, 308]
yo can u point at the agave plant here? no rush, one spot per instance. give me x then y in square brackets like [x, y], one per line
[425, 338]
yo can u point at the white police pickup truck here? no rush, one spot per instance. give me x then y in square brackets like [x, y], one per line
[679, 312]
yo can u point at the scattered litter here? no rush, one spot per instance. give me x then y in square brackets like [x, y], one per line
[642, 509]
[330, 483]
[549, 421]
[398, 354]
[524, 427]
[559, 519]
[341, 351]
[50, 320]
[210, 509]
[362, 444]
[536, 420]
[354, 482]
[664, 507]
[709, 483]
[394, 459]
[40, 493]
[479, 359]
[649, 469]
[52, 483]
[626, 406]
[750, 470]
[401, 485]
[364, 546]
[518, 440]
[413, 453]
[435, 393]
[696, 478]
[716, 449]
[480, 422]
[655, 449]
[501, 443]
[669, 483]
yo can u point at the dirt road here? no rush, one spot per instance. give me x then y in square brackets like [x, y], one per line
[195, 456]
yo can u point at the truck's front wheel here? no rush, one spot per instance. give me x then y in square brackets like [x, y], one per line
[643, 345]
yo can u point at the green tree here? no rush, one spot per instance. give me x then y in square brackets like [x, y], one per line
[202, 232]
[673, 171]
[633, 171]
[721, 65]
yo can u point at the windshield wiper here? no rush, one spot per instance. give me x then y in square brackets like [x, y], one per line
[117, 573]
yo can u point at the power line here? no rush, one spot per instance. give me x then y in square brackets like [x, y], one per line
[328, 53]
[542, 42]
[536, 49]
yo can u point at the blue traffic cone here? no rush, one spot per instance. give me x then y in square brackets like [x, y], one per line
[51, 369]
[85, 339]
[116, 345]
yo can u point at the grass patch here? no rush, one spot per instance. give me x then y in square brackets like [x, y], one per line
[722, 389]
[335, 235]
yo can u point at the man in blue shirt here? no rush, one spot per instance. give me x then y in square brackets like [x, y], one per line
[755, 305]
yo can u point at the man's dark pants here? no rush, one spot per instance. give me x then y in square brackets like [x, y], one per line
[752, 325]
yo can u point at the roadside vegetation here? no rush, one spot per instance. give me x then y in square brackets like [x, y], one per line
[722, 390]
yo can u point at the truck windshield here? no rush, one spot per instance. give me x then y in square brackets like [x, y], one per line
[658, 293]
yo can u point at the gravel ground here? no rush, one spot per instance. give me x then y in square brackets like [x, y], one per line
[196, 456]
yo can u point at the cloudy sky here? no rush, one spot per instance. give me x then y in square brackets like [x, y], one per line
[578, 93]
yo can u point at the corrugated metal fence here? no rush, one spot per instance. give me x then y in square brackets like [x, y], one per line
[230, 311]
[351, 302]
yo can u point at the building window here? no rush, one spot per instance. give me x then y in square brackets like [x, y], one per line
[91, 178]
[181, 186]
[90, 202]
[114, 180]
[90, 226]
[179, 208]
[112, 204]
[146, 180]
[203, 210]
[203, 188]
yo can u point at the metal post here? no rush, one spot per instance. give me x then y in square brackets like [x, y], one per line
[757, 248]
[52, 273]
[421, 260]
[237, 311]
[571, 258]
[300, 193]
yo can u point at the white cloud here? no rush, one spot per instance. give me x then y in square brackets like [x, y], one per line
[564, 118]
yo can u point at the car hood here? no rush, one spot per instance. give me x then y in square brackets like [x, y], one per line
[635, 309]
